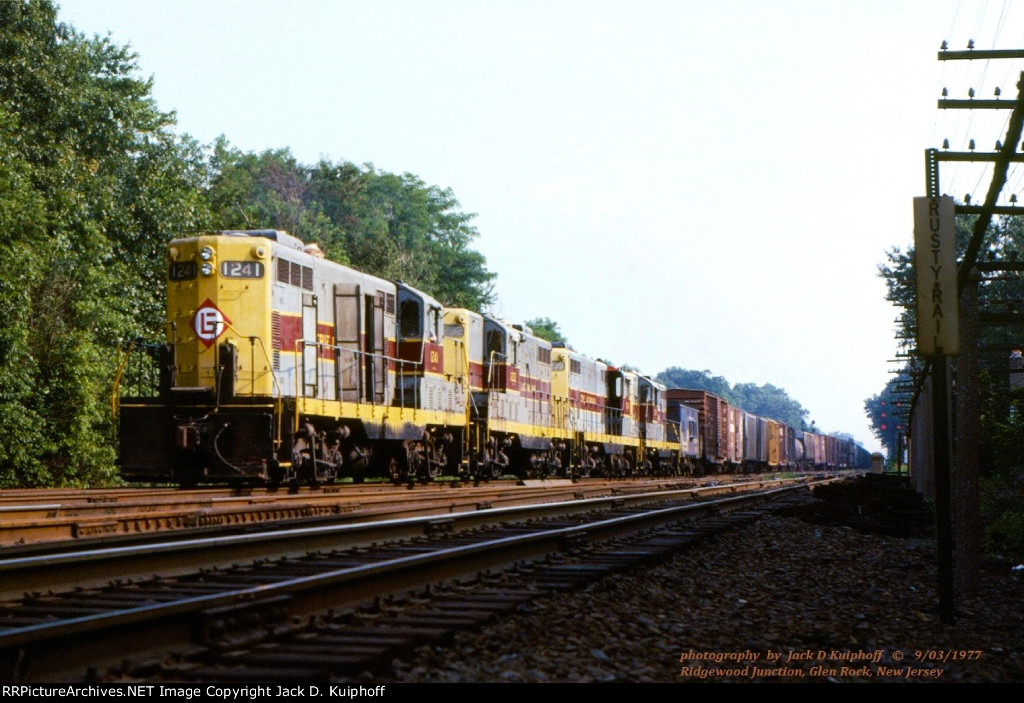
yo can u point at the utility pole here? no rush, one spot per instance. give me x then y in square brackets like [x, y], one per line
[961, 486]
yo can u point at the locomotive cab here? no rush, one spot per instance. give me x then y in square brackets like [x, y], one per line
[421, 381]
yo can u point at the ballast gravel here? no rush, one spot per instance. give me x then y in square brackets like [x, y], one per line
[778, 600]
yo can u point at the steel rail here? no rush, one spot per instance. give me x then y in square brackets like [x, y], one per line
[24, 525]
[86, 568]
[57, 649]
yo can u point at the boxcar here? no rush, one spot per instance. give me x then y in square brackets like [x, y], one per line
[712, 425]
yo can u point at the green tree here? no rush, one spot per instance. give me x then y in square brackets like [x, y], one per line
[676, 377]
[269, 190]
[546, 328]
[23, 440]
[887, 414]
[770, 401]
[94, 182]
[765, 401]
[393, 226]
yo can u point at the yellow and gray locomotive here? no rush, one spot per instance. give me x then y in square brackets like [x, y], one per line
[282, 365]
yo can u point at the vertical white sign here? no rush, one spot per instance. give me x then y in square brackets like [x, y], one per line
[938, 330]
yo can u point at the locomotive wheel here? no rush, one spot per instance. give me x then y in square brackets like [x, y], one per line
[616, 467]
[554, 466]
[492, 468]
[433, 459]
[627, 466]
[358, 462]
[303, 449]
[396, 467]
[416, 463]
[532, 465]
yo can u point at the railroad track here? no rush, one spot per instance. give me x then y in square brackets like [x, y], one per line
[96, 518]
[315, 609]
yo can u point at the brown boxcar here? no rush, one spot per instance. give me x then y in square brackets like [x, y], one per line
[718, 446]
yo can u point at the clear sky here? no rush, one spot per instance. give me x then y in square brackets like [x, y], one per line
[708, 185]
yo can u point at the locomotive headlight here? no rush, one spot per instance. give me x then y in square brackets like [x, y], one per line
[206, 253]
[207, 269]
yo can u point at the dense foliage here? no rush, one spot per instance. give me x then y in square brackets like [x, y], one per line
[396, 227]
[765, 401]
[94, 181]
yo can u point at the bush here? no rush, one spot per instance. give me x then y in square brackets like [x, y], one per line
[1002, 513]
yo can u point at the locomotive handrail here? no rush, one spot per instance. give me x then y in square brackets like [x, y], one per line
[302, 344]
[534, 402]
[462, 376]
[270, 365]
[490, 367]
[613, 421]
[252, 359]
[173, 336]
[115, 396]
[273, 378]
[143, 376]
[671, 425]
[562, 410]
[583, 417]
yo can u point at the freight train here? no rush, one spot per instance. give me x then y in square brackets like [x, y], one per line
[280, 365]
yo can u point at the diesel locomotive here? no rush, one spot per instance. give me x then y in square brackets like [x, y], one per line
[279, 365]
